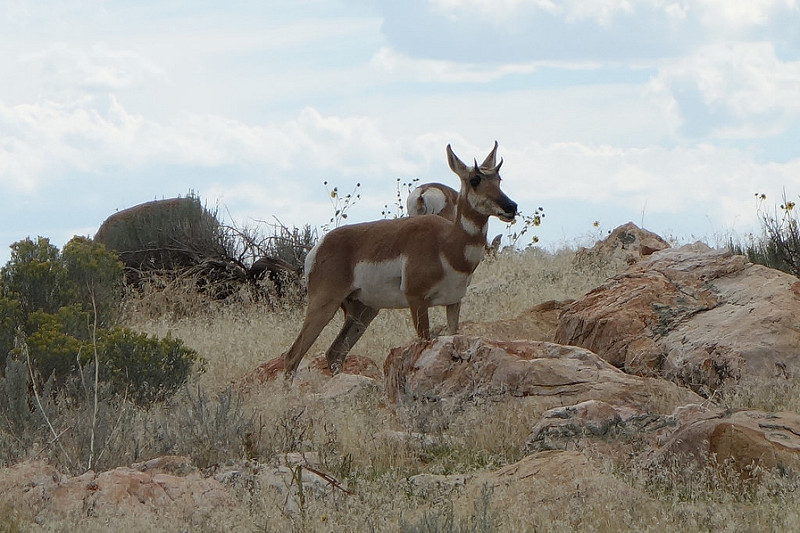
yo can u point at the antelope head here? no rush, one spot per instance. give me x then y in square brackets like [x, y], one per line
[480, 186]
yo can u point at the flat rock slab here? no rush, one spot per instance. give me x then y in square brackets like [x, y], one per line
[166, 485]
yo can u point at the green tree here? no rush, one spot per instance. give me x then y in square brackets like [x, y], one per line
[34, 276]
[95, 275]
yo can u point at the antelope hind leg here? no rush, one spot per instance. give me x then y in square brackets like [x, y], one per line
[317, 317]
[453, 311]
[357, 318]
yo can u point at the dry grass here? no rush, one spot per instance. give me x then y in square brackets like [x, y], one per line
[270, 420]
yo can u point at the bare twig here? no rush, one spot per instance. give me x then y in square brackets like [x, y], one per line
[332, 481]
[56, 436]
[90, 286]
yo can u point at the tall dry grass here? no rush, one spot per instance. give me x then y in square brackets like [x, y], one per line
[234, 338]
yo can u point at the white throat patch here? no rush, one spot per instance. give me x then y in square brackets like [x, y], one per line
[472, 228]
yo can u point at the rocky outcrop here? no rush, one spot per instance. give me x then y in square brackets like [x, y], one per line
[457, 369]
[628, 242]
[692, 314]
[549, 476]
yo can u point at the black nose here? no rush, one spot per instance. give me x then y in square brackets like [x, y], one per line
[511, 207]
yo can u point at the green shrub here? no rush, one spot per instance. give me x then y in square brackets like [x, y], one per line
[95, 275]
[57, 343]
[146, 369]
[10, 319]
[35, 277]
[62, 308]
[779, 245]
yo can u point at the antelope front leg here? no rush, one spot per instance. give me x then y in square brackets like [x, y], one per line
[419, 315]
[453, 310]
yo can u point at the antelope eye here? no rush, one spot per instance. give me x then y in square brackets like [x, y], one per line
[475, 181]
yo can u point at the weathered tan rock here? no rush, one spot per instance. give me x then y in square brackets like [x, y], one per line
[561, 426]
[742, 439]
[459, 368]
[628, 242]
[537, 323]
[346, 386]
[692, 314]
[283, 480]
[548, 476]
[37, 490]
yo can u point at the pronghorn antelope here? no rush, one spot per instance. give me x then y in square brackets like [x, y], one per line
[433, 199]
[413, 262]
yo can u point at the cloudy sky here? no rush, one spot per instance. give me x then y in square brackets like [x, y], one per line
[671, 114]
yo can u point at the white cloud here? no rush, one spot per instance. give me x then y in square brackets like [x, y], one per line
[40, 142]
[718, 182]
[401, 67]
[63, 70]
[743, 88]
[738, 15]
[716, 14]
[601, 11]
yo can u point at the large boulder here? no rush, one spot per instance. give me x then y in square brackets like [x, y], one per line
[457, 369]
[692, 314]
[531, 490]
[163, 234]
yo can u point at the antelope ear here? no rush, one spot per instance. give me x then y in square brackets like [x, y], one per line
[488, 163]
[456, 165]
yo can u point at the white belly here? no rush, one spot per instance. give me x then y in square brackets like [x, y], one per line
[380, 285]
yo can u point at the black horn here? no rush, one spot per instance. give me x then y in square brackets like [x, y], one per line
[488, 163]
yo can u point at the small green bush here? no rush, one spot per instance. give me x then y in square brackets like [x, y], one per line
[779, 245]
[146, 369]
[57, 311]
[94, 275]
[10, 318]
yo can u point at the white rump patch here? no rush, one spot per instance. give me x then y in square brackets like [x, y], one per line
[433, 202]
[311, 258]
